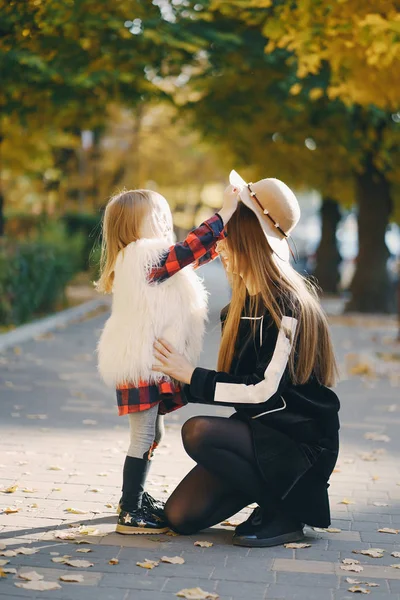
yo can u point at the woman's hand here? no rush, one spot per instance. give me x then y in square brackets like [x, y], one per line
[171, 362]
[231, 199]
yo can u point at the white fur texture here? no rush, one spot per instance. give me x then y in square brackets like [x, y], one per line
[175, 309]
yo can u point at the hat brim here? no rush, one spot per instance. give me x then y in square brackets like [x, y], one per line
[279, 245]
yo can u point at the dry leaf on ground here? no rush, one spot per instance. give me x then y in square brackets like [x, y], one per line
[3, 562]
[380, 504]
[357, 582]
[71, 578]
[84, 550]
[395, 554]
[31, 576]
[357, 589]
[351, 561]
[113, 561]
[372, 552]
[352, 567]
[203, 544]
[196, 594]
[95, 490]
[388, 530]
[79, 564]
[346, 501]
[376, 436]
[396, 566]
[231, 523]
[10, 490]
[2, 573]
[10, 570]
[55, 468]
[173, 560]
[61, 559]
[8, 553]
[26, 551]
[28, 490]
[148, 564]
[75, 511]
[295, 545]
[10, 510]
[327, 530]
[39, 586]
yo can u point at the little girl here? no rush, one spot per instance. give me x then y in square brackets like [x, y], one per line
[153, 296]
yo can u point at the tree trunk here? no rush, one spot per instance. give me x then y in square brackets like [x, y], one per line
[327, 255]
[2, 220]
[371, 289]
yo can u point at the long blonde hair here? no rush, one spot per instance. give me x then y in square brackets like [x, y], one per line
[273, 284]
[129, 216]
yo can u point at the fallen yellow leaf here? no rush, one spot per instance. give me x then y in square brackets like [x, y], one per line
[296, 546]
[30, 576]
[10, 490]
[357, 589]
[173, 560]
[346, 501]
[75, 511]
[148, 564]
[39, 586]
[352, 567]
[79, 564]
[388, 530]
[204, 544]
[10, 510]
[196, 594]
[113, 561]
[71, 578]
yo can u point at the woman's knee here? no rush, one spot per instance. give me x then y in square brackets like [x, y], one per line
[195, 434]
[176, 520]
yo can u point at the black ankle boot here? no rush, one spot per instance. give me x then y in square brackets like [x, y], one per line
[149, 503]
[262, 530]
[134, 477]
[140, 521]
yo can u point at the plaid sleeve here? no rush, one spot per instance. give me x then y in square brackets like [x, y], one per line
[197, 244]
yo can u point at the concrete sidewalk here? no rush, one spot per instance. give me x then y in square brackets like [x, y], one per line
[63, 445]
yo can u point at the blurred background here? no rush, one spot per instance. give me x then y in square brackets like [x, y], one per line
[97, 96]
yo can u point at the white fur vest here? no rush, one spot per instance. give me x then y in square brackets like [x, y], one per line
[175, 309]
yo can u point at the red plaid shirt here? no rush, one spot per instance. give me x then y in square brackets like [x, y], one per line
[198, 248]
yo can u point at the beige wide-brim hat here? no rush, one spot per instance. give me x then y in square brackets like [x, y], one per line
[275, 206]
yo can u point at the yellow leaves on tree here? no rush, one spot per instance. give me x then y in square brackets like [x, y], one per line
[358, 39]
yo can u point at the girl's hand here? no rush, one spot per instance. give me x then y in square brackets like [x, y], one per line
[231, 199]
[171, 362]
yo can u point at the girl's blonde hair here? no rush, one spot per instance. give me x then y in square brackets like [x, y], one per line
[129, 216]
[250, 260]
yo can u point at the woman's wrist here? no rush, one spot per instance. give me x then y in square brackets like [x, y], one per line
[225, 214]
[187, 378]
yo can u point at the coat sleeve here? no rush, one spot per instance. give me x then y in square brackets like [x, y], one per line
[262, 387]
[198, 248]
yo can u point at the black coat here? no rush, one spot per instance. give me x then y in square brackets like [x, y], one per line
[294, 427]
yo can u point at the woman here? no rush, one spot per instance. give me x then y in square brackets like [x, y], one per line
[275, 366]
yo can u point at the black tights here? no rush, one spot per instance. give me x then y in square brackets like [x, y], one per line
[225, 479]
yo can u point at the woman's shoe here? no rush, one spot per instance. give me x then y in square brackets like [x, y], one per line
[149, 503]
[262, 531]
[140, 521]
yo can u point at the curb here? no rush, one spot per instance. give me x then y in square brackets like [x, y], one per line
[30, 330]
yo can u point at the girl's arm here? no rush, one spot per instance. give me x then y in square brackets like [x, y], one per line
[198, 247]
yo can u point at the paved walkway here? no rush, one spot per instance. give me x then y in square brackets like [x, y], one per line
[62, 444]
